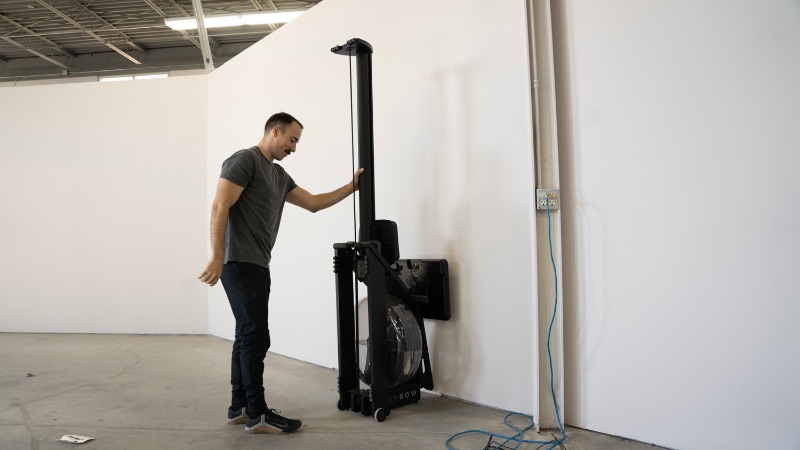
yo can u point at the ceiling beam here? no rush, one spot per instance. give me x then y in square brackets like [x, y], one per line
[30, 50]
[201, 31]
[274, 8]
[178, 7]
[257, 5]
[109, 63]
[185, 13]
[27, 30]
[188, 36]
[90, 32]
[108, 25]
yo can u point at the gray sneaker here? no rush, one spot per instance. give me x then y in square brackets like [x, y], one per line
[272, 422]
[237, 416]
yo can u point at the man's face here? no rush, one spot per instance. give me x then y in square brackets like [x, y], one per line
[286, 142]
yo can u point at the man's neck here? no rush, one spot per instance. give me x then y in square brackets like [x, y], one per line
[262, 147]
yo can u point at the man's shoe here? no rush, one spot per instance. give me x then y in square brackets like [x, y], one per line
[237, 416]
[272, 422]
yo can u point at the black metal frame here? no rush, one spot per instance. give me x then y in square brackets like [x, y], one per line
[365, 260]
[373, 260]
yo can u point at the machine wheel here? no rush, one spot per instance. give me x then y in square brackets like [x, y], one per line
[340, 406]
[380, 414]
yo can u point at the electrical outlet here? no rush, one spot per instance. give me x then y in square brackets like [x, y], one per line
[547, 199]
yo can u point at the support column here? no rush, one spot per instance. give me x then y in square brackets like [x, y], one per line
[549, 292]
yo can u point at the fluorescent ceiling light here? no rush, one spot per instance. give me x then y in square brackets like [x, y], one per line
[150, 76]
[234, 20]
[104, 79]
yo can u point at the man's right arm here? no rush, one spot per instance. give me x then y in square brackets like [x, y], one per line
[227, 195]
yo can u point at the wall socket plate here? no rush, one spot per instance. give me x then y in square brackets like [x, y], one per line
[547, 199]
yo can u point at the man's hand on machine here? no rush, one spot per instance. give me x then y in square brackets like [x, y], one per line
[212, 272]
[355, 179]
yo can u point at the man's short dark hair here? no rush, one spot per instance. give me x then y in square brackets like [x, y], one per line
[281, 120]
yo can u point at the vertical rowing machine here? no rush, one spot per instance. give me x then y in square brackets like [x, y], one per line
[383, 349]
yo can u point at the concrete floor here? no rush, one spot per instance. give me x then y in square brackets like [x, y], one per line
[171, 392]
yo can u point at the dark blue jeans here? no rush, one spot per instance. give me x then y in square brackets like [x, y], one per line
[247, 286]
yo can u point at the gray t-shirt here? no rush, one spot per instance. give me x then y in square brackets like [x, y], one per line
[254, 219]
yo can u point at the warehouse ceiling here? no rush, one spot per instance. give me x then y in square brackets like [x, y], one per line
[60, 39]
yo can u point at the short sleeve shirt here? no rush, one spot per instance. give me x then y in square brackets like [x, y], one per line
[254, 219]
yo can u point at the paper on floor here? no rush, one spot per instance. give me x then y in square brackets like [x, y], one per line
[75, 439]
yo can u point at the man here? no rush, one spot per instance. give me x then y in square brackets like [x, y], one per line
[245, 217]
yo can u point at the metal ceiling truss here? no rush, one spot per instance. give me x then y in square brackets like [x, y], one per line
[121, 37]
[258, 6]
[97, 37]
[186, 34]
[208, 59]
[44, 43]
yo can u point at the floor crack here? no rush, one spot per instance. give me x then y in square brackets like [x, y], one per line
[27, 419]
[124, 371]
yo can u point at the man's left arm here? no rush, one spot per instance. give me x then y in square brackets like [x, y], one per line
[317, 202]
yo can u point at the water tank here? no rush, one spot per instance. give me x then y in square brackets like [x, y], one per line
[403, 342]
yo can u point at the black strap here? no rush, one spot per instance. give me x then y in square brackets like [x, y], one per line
[355, 223]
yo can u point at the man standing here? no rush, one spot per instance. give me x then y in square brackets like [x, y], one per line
[245, 217]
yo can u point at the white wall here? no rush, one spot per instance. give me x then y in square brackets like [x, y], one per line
[680, 138]
[453, 169]
[102, 194]
[674, 116]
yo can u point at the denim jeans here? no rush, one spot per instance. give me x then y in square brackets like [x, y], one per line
[247, 286]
